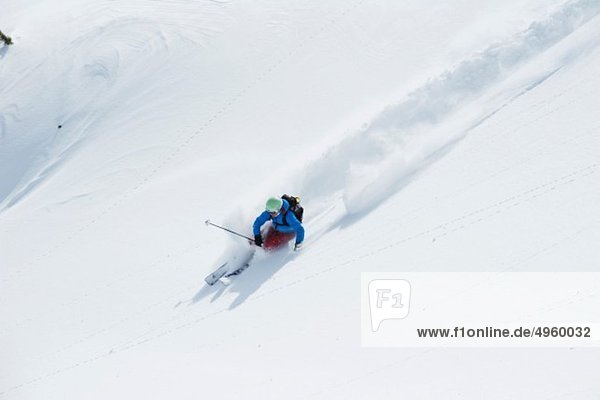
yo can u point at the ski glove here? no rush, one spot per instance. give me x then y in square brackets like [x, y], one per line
[258, 240]
[298, 247]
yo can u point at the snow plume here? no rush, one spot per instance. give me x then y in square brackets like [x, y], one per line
[380, 158]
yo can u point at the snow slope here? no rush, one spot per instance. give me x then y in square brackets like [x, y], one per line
[422, 136]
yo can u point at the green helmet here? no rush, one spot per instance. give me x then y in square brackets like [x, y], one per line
[274, 204]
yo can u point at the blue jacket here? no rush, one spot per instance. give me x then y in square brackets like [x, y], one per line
[279, 222]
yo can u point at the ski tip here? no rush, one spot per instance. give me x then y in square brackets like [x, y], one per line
[207, 222]
[225, 280]
[209, 282]
[214, 277]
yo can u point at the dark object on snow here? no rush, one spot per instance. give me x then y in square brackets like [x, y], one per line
[60, 126]
[6, 39]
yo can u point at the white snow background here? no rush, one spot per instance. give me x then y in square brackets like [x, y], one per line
[421, 136]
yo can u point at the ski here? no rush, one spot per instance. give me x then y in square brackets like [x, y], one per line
[212, 278]
[238, 271]
[223, 273]
[228, 278]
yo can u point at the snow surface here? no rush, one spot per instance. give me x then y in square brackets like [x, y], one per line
[421, 135]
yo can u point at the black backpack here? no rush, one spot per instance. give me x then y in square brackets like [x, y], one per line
[295, 207]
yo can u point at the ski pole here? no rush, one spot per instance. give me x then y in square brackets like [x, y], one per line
[207, 222]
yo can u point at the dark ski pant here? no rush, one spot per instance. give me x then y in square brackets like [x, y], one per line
[275, 239]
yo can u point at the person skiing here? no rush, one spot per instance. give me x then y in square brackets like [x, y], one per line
[285, 224]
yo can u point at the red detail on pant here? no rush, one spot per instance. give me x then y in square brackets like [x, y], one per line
[275, 239]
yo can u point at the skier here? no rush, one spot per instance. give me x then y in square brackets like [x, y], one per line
[286, 223]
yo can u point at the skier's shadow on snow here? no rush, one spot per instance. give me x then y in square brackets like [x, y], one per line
[262, 268]
[216, 290]
[260, 271]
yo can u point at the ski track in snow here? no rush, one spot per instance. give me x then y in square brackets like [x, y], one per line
[435, 232]
[397, 124]
[375, 162]
[161, 163]
[103, 60]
